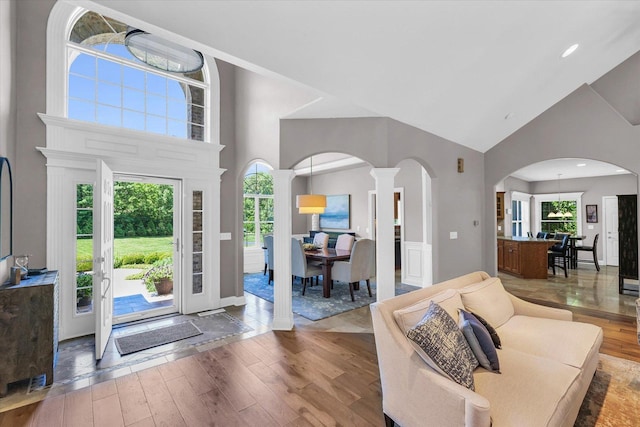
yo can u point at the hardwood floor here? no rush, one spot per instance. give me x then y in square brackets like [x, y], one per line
[275, 379]
[322, 373]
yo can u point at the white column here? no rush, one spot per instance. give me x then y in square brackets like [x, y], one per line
[385, 233]
[282, 311]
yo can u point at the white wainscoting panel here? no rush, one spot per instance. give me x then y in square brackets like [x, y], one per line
[253, 260]
[413, 260]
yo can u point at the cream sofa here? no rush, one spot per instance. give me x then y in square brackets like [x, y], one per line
[547, 361]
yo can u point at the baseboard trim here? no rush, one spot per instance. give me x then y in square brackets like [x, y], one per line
[228, 301]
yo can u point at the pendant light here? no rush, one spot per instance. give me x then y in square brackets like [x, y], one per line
[559, 213]
[311, 203]
[162, 54]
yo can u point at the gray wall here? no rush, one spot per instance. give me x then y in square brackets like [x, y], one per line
[410, 178]
[355, 182]
[29, 172]
[229, 185]
[8, 100]
[582, 125]
[383, 142]
[259, 103]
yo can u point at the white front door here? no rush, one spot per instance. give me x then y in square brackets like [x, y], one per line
[611, 230]
[103, 255]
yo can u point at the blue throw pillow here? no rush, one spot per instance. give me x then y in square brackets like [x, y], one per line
[480, 341]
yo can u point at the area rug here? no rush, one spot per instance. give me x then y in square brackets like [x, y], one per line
[613, 398]
[76, 357]
[155, 337]
[313, 305]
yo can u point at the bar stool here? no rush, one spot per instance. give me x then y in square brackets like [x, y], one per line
[593, 249]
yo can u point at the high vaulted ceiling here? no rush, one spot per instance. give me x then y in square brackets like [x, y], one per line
[472, 72]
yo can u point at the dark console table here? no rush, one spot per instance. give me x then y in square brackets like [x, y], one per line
[28, 329]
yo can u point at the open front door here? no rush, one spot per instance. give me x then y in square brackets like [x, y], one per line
[103, 255]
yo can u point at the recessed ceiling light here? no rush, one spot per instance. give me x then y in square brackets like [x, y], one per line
[581, 165]
[620, 170]
[570, 50]
[509, 116]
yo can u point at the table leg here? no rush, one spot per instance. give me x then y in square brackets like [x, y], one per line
[326, 278]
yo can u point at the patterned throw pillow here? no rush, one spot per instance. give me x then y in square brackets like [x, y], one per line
[480, 341]
[439, 342]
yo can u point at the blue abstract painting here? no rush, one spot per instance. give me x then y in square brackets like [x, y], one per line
[336, 214]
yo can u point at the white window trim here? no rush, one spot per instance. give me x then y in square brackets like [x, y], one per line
[573, 197]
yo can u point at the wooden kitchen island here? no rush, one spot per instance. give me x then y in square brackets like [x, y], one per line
[524, 257]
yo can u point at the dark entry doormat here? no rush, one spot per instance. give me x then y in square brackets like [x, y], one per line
[143, 340]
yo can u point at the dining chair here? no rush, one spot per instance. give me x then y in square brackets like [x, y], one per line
[357, 268]
[541, 235]
[299, 265]
[593, 248]
[344, 242]
[321, 240]
[268, 243]
[559, 250]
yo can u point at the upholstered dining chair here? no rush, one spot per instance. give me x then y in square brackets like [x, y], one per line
[268, 243]
[594, 249]
[357, 268]
[321, 240]
[344, 242]
[559, 250]
[541, 235]
[299, 265]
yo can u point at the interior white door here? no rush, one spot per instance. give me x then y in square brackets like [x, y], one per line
[103, 255]
[611, 230]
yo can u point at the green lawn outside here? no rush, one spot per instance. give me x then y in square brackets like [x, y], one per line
[128, 245]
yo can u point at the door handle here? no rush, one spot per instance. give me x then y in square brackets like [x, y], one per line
[104, 294]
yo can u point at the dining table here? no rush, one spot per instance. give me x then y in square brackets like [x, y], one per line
[327, 256]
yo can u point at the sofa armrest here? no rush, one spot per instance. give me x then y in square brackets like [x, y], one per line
[525, 308]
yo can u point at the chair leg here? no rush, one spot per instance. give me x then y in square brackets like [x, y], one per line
[595, 259]
[353, 299]
[304, 286]
[369, 288]
[332, 284]
[270, 276]
[265, 269]
[564, 263]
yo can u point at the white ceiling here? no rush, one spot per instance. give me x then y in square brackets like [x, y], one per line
[452, 68]
[567, 169]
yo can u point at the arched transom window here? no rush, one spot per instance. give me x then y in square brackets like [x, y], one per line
[109, 86]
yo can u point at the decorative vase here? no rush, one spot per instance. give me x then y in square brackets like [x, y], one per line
[164, 286]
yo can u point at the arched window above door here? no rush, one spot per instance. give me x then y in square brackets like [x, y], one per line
[109, 86]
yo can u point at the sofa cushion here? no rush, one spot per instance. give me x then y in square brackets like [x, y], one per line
[568, 342]
[409, 316]
[530, 390]
[489, 299]
[442, 346]
[494, 334]
[480, 341]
